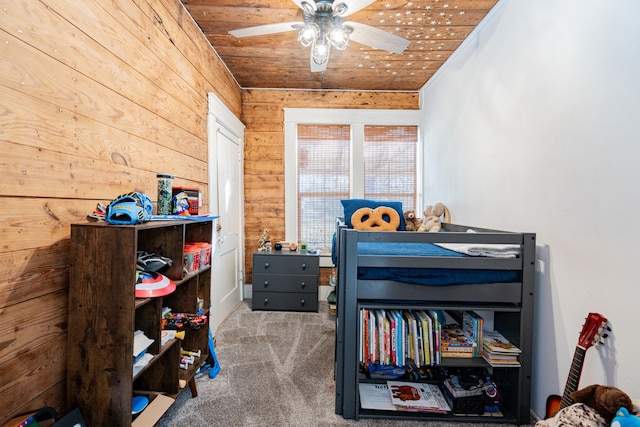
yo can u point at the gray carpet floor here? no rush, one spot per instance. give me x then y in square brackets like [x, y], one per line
[276, 370]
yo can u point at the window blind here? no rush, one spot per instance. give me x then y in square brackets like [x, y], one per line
[323, 180]
[390, 154]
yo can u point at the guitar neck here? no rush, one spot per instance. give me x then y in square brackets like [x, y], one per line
[574, 377]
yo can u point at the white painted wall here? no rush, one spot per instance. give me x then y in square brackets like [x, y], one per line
[533, 125]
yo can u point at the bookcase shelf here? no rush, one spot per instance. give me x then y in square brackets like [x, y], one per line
[104, 314]
[504, 318]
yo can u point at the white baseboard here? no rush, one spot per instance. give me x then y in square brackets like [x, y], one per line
[534, 416]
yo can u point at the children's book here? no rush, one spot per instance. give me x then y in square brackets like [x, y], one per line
[426, 336]
[500, 359]
[375, 396]
[454, 340]
[393, 343]
[494, 342]
[436, 335]
[472, 324]
[417, 397]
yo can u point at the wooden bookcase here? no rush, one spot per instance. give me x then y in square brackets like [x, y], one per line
[104, 314]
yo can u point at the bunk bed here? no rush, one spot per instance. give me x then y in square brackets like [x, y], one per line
[369, 275]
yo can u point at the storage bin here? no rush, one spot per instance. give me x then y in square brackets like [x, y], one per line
[205, 253]
[191, 258]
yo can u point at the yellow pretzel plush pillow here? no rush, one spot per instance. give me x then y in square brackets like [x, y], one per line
[382, 218]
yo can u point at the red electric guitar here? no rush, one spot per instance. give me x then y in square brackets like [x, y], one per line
[593, 331]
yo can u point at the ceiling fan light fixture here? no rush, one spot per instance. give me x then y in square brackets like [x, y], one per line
[339, 37]
[308, 34]
[320, 51]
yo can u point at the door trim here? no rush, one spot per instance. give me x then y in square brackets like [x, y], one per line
[221, 121]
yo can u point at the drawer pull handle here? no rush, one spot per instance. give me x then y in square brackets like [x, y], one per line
[266, 265]
[301, 302]
[266, 283]
[304, 266]
[266, 301]
[303, 285]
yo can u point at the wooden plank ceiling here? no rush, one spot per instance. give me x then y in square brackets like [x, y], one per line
[435, 28]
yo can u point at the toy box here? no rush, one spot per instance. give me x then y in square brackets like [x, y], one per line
[193, 197]
[471, 405]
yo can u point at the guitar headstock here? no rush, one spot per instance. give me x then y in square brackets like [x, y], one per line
[593, 330]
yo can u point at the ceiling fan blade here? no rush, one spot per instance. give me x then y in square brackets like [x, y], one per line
[315, 68]
[377, 38]
[260, 30]
[354, 5]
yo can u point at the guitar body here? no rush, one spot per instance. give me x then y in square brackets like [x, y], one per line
[591, 334]
[553, 405]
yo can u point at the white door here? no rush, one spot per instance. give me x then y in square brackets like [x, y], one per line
[226, 135]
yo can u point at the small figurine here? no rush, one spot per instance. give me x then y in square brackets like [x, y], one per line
[181, 204]
[262, 241]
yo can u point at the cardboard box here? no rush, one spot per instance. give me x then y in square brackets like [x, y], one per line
[153, 412]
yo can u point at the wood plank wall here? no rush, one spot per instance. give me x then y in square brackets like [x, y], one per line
[96, 97]
[263, 115]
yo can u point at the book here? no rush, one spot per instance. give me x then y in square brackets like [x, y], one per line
[501, 356]
[400, 331]
[436, 335]
[373, 341]
[456, 349]
[420, 350]
[458, 354]
[361, 350]
[472, 325]
[380, 354]
[494, 342]
[393, 343]
[427, 340]
[415, 339]
[417, 397]
[411, 339]
[375, 396]
[453, 337]
[500, 359]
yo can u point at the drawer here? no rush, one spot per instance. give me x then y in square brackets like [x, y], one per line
[274, 264]
[285, 283]
[290, 301]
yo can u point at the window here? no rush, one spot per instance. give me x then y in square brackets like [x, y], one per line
[332, 155]
[323, 180]
[390, 170]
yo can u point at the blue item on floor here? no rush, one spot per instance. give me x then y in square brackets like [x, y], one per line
[213, 371]
[138, 403]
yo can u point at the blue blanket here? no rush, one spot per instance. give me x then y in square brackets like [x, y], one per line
[426, 276]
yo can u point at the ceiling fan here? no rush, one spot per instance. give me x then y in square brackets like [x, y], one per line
[324, 27]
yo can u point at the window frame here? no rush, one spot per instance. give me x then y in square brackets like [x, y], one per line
[357, 119]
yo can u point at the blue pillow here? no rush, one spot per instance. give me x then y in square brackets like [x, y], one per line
[352, 205]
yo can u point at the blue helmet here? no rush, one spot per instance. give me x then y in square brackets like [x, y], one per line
[129, 208]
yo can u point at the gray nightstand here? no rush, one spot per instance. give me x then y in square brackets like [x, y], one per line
[285, 280]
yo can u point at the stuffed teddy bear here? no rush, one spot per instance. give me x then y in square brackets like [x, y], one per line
[594, 406]
[432, 221]
[606, 400]
[412, 222]
[624, 419]
[577, 414]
